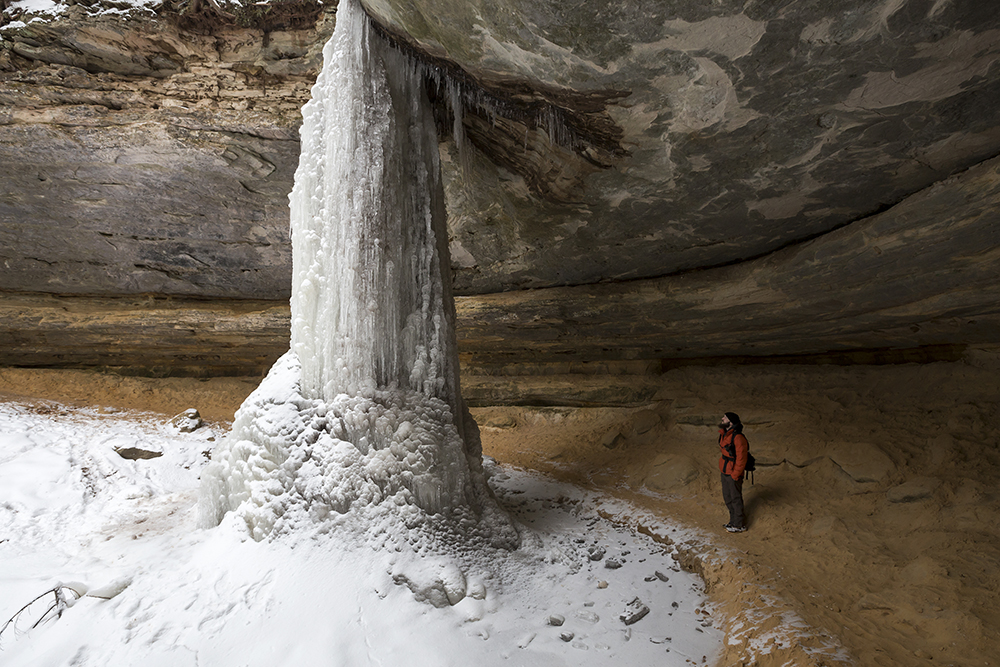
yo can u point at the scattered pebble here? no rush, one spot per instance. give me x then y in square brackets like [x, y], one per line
[596, 553]
[602, 584]
[612, 564]
[634, 611]
[662, 577]
[566, 636]
[557, 620]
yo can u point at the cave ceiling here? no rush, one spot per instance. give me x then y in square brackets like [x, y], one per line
[743, 127]
[630, 180]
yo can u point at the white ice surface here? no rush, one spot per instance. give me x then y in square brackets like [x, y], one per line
[363, 415]
[72, 510]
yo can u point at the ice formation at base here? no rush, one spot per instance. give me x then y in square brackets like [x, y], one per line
[364, 413]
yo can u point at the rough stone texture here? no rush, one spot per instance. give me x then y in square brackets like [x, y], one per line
[144, 335]
[677, 181]
[748, 126]
[137, 158]
[921, 273]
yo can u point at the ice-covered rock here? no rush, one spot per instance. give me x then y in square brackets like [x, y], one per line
[187, 421]
[439, 583]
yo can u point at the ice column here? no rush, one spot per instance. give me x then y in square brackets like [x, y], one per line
[370, 306]
[363, 416]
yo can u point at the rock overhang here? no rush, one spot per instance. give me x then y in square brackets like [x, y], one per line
[638, 149]
[744, 129]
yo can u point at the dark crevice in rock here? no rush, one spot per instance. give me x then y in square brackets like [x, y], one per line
[925, 354]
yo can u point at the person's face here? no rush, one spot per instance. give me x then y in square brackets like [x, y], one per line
[725, 424]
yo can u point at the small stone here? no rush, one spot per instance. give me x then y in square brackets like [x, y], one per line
[566, 636]
[634, 612]
[557, 620]
[602, 584]
[662, 577]
[187, 421]
[140, 451]
[613, 439]
[596, 553]
[612, 564]
[649, 578]
[645, 421]
[913, 490]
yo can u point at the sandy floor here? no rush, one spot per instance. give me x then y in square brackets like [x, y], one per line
[873, 516]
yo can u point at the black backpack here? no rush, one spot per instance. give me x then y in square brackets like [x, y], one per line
[751, 461]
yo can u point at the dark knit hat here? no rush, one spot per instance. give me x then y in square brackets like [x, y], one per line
[734, 419]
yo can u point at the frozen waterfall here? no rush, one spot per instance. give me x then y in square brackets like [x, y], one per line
[363, 416]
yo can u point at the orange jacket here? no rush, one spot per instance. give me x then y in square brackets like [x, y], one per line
[734, 448]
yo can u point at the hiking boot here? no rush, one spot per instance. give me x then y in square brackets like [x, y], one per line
[736, 529]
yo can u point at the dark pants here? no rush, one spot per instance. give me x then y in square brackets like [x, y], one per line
[732, 493]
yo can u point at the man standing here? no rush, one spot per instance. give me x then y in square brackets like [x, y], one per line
[732, 462]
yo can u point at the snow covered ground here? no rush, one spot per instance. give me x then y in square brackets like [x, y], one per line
[74, 512]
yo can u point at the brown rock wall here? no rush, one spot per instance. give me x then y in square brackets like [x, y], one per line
[140, 158]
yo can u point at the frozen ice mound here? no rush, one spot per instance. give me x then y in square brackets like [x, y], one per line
[385, 462]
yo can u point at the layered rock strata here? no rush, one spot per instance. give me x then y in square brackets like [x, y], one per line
[675, 182]
[140, 158]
